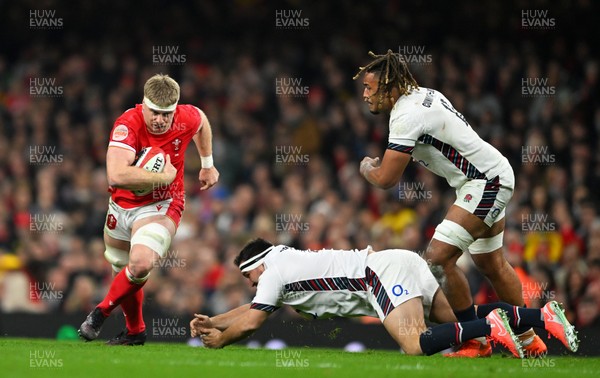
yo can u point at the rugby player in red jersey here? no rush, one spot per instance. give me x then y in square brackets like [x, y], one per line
[145, 208]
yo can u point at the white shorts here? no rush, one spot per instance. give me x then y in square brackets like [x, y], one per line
[487, 199]
[119, 221]
[396, 275]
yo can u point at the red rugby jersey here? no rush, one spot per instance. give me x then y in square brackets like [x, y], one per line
[130, 132]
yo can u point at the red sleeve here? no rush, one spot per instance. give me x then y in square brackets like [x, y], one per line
[123, 136]
[200, 118]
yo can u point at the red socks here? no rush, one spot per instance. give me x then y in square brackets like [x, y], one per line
[120, 289]
[132, 309]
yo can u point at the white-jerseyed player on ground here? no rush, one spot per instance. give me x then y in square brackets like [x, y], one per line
[146, 207]
[395, 285]
[425, 127]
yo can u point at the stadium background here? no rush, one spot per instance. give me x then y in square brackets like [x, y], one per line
[275, 80]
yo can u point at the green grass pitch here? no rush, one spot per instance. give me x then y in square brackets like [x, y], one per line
[51, 358]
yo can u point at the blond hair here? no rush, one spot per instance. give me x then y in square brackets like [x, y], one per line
[162, 90]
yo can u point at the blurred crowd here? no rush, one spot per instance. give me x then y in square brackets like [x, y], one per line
[288, 150]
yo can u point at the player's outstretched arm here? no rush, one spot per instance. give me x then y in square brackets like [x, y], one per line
[121, 173]
[208, 175]
[389, 172]
[220, 322]
[243, 327]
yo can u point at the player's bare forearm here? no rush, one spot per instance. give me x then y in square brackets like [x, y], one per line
[239, 330]
[121, 173]
[386, 174]
[134, 178]
[209, 175]
[371, 175]
[203, 138]
[224, 321]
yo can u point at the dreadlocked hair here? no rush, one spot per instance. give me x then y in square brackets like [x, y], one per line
[393, 72]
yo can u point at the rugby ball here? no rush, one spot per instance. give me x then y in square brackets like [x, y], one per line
[151, 159]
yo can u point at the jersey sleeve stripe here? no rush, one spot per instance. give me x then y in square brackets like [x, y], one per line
[400, 148]
[263, 307]
[121, 145]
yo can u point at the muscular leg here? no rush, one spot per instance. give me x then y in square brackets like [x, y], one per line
[502, 276]
[405, 324]
[442, 258]
[141, 261]
[132, 305]
[441, 312]
[504, 279]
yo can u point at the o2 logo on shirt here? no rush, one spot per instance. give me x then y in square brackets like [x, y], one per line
[398, 290]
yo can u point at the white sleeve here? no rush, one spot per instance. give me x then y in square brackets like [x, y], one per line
[404, 133]
[268, 291]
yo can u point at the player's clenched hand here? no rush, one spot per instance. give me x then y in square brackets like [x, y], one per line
[195, 327]
[169, 172]
[208, 177]
[199, 321]
[211, 338]
[367, 164]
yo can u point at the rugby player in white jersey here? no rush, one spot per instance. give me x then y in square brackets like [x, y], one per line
[395, 285]
[425, 127]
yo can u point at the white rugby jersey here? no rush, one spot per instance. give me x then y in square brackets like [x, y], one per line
[318, 284]
[425, 124]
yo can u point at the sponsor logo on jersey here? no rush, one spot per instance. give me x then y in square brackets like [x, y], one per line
[120, 133]
[398, 290]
